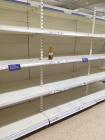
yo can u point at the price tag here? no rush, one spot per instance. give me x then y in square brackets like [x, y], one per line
[14, 67]
[84, 60]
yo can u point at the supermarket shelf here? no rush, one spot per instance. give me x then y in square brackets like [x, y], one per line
[32, 62]
[22, 127]
[22, 95]
[30, 30]
[20, 124]
[37, 121]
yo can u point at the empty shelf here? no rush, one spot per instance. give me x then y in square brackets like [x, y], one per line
[22, 95]
[56, 60]
[37, 121]
[67, 109]
[23, 5]
[23, 127]
[30, 30]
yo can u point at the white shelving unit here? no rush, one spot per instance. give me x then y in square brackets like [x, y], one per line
[34, 91]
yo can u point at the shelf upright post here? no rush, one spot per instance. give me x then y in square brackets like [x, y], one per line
[75, 45]
[103, 62]
[28, 36]
[91, 45]
[41, 51]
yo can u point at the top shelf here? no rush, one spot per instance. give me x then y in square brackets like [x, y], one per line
[31, 30]
[24, 5]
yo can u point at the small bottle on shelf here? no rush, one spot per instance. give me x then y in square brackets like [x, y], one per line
[50, 53]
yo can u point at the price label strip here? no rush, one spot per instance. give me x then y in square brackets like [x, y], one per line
[14, 67]
[85, 60]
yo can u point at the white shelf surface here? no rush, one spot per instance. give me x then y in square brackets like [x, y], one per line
[23, 127]
[67, 109]
[37, 121]
[10, 98]
[30, 30]
[32, 62]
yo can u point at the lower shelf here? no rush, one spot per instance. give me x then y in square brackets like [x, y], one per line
[23, 127]
[31, 119]
[22, 95]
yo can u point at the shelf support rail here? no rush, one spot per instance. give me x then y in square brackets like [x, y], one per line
[28, 36]
[91, 46]
[41, 51]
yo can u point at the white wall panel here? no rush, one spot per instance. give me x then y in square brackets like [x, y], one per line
[59, 23]
[84, 26]
[13, 46]
[12, 17]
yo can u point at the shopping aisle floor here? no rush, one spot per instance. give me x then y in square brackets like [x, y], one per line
[88, 125]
